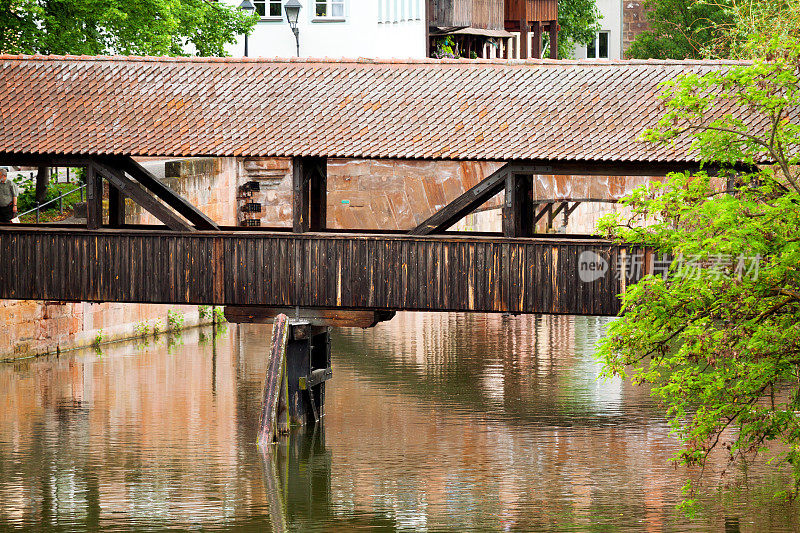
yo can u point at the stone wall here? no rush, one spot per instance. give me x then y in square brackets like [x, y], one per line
[368, 194]
[32, 327]
[399, 195]
[208, 183]
[634, 22]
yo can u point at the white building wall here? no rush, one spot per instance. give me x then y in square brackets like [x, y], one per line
[611, 23]
[370, 28]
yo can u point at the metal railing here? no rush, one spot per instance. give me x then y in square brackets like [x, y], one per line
[60, 201]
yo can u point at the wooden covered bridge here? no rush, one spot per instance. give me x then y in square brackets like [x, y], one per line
[538, 117]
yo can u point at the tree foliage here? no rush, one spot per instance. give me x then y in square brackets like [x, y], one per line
[143, 27]
[579, 21]
[720, 342]
[695, 29]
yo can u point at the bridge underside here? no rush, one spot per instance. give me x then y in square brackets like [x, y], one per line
[316, 270]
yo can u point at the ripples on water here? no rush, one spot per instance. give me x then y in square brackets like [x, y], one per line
[433, 422]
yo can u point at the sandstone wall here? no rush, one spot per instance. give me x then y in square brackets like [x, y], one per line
[634, 22]
[368, 194]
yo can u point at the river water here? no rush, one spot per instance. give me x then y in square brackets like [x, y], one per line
[434, 422]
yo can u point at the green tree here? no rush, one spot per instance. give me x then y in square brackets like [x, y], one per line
[579, 21]
[720, 342]
[143, 27]
[679, 29]
[695, 29]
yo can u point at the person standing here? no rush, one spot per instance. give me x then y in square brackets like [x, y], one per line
[8, 197]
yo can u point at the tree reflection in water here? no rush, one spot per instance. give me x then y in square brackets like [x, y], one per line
[434, 422]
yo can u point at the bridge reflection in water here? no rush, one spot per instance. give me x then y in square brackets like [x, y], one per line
[435, 421]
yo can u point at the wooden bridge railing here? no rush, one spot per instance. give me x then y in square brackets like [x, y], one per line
[376, 272]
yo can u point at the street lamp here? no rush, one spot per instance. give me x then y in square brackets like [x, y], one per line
[292, 8]
[248, 7]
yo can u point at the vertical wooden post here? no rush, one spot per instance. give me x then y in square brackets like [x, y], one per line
[319, 195]
[274, 383]
[523, 36]
[309, 198]
[536, 45]
[553, 39]
[116, 207]
[94, 198]
[300, 196]
[518, 209]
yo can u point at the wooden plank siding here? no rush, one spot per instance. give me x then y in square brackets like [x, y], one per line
[530, 10]
[375, 272]
[484, 14]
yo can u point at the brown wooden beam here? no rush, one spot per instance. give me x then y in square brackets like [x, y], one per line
[546, 209]
[560, 208]
[554, 39]
[301, 193]
[116, 207]
[138, 194]
[316, 317]
[318, 195]
[94, 198]
[536, 45]
[523, 38]
[164, 193]
[609, 168]
[464, 204]
[518, 209]
[569, 211]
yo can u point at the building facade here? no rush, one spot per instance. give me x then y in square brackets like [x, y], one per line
[339, 28]
[403, 29]
[622, 22]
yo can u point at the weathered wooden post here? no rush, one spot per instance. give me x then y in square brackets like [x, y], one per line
[294, 387]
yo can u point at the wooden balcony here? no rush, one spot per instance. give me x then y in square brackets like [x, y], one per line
[480, 14]
[542, 11]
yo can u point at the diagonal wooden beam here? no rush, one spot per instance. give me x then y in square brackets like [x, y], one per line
[138, 194]
[569, 211]
[546, 209]
[558, 210]
[464, 204]
[161, 191]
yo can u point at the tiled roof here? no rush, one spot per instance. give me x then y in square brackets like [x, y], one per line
[426, 109]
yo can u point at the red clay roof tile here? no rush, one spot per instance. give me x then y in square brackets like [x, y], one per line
[420, 109]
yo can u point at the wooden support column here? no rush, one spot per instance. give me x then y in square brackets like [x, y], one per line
[553, 39]
[536, 45]
[523, 38]
[309, 194]
[319, 195]
[94, 198]
[518, 210]
[300, 197]
[116, 207]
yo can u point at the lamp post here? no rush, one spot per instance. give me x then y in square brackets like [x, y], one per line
[248, 7]
[292, 8]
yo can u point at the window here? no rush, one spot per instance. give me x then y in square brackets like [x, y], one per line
[268, 9]
[329, 9]
[598, 49]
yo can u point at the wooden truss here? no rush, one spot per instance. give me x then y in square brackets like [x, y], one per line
[126, 179]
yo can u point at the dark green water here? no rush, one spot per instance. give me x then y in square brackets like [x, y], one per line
[435, 422]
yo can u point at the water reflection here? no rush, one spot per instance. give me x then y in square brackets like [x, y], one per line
[434, 422]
